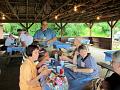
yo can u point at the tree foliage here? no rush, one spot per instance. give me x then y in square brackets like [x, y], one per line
[71, 29]
[101, 30]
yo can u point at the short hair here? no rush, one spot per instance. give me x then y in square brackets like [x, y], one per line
[23, 29]
[18, 30]
[82, 47]
[116, 56]
[43, 21]
[30, 49]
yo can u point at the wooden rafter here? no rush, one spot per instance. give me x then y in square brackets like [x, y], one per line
[5, 15]
[87, 13]
[57, 9]
[27, 9]
[12, 9]
[41, 10]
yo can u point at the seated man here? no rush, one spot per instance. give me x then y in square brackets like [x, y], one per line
[45, 34]
[86, 68]
[113, 82]
[10, 40]
[25, 38]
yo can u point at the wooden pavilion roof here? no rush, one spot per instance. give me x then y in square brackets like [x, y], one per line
[36, 10]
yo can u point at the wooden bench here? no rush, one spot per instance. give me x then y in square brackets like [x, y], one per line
[106, 66]
[6, 59]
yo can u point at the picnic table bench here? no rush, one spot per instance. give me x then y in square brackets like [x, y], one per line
[106, 66]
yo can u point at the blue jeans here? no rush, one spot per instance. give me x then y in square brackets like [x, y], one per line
[76, 81]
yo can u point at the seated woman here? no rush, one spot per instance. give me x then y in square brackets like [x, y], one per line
[86, 67]
[28, 72]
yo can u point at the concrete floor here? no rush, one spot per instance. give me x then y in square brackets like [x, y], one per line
[99, 55]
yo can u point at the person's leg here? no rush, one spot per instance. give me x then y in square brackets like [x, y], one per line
[69, 74]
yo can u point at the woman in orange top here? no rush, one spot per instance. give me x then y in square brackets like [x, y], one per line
[28, 72]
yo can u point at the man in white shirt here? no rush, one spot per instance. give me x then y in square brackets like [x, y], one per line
[29, 39]
[25, 38]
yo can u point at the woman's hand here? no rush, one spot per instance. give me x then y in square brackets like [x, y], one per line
[42, 68]
[45, 72]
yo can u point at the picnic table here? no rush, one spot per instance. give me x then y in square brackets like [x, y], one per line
[108, 57]
[59, 45]
[15, 48]
[61, 80]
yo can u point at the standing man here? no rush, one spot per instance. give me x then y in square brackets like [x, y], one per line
[45, 34]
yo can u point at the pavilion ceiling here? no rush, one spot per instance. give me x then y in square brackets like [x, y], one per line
[36, 10]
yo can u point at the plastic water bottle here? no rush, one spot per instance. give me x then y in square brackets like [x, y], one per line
[56, 87]
[62, 63]
[56, 56]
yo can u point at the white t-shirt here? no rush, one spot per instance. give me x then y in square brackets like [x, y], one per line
[9, 41]
[27, 39]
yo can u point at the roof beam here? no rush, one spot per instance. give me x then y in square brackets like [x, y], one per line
[89, 7]
[27, 9]
[101, 11]
[91, 14]
[70, 11]
[41, 9]
[57, 9]
[12, 9]
[5, 15]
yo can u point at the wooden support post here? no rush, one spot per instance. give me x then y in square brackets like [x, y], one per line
[61, 27]
[58, 25]
[90, 26]
[112, 24]
[30, 25]
[27, 26]
[22, 25]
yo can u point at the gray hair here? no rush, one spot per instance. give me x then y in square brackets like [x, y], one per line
[116, 56]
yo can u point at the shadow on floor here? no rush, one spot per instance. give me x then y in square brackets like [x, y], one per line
[9, 77]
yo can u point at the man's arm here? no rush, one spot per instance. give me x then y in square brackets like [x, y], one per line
[84, 70]
[51, 40]
[23, 44]
[36, 39]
